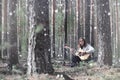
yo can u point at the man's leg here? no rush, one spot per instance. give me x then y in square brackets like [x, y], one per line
[75, 60]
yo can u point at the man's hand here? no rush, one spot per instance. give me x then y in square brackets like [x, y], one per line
[81, 52]
[71, 49]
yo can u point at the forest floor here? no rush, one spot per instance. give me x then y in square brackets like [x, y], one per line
[83, 71]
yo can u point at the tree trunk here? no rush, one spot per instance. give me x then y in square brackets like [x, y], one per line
[0, 23]
[52, 22]
[95, 36]
[65, 25]
[42, 48]
[91, 40]
[104, 31]
[87, 20]
[12, 32]
[31, 39]
[4, 29]
[79, 24]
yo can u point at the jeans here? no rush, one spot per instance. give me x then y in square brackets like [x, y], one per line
[76, 59]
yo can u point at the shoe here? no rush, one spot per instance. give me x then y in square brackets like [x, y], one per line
[73, 64]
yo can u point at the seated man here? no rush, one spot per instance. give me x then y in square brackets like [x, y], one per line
[83, 53]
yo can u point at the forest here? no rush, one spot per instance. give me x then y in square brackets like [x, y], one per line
[33, 35]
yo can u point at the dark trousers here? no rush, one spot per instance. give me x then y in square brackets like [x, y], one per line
[76, 59]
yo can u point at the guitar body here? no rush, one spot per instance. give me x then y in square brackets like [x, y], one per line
[83, 57]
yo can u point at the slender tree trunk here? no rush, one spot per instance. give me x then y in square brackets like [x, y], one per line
[118, 4]
[95, 35]
[76, 23]
[0, 12]
[117, 32]
[12, 32]
[4, 29]
[66, 26]
[31, 39]
[83, 18]
[91, 22]
[79, 24]
[87, 20]
[53, 7]
[0, 23]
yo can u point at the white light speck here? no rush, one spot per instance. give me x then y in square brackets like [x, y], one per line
[95, 27]
[44, 29]
[42, 12]
[56, 11]
[102, 4]
[58, 55]
[48, 49]
[45, 34]
[109, 13]
[10, 13]
[118, 4]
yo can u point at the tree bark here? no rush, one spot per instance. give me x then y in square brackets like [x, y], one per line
[104, 31]
[52, 20]
[12, 32]
[0, 23]
[31, 39]
[4, 29]
[65, 26]
[42, 48]
[87, 20]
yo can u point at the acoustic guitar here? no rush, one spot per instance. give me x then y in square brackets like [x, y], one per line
[80, 53]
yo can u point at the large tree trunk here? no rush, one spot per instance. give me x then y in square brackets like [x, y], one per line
[104, 31]
[115, 29]
[12, 32]
[42, 48]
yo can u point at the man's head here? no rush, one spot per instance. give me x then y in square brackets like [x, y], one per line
[82, 42]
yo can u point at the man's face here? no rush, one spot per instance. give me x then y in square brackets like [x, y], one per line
[81, 42]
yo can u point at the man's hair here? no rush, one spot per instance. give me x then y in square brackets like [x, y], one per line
[84, 42]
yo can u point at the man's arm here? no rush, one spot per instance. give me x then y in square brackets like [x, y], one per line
[90, 49]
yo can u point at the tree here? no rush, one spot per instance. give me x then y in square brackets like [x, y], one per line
[104, 31]
[12, 33]
[0, 11]
[42, 47]
[87, 20]
[52, 27]
[4, 29]
[0, 23]
[31, 38]
[65, 25]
